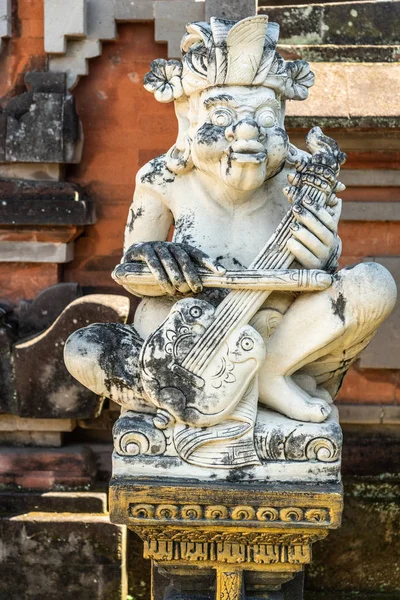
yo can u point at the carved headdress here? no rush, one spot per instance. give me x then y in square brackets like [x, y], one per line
[229, 53]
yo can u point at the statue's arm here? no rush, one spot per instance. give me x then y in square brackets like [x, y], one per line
[172, 265]
[149, 217]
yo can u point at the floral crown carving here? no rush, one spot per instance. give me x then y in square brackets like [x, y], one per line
[229, 53]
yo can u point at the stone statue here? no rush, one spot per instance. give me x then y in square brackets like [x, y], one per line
[245, 329]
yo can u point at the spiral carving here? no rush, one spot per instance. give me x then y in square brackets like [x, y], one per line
[191, 511]
[133, 443]
[243, 513]
[166, 511]
[142, 511]
[267, 514]
[196, 512]
[135, 434]
[322, 449]
[316, 515]
[291, 514]
[217, 511]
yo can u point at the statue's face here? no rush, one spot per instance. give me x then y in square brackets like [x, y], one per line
[237, 135]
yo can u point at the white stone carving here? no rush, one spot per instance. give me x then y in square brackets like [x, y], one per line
[245, 329]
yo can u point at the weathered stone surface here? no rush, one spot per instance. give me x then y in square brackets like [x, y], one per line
[356, 91]
[230, 9]
[5, 19]
[42, 203]
[72, 467]
[36, 252]
[40, 439]
[7, 388]
[62, 20]
[363, 557]
[170, 20]
[80, 555]
[31, 171]
[40, 313]
[17, 503]
[370, 451]
[44, 386]
[41, 124]
[339, 53]
[337, 23]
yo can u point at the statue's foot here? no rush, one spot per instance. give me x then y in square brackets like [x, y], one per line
[286, 397]
[309, 385]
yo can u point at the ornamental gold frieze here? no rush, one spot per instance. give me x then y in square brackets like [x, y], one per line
[197, 513]
[229, 536]
[243, 554]
[245, 548]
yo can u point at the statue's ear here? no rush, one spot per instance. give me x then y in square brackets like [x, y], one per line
[179, 156]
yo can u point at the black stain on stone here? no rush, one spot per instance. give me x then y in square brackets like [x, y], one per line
[117, 345]
[228, 164]
[158, 172]
[208, 134]
[338, 307]
[133, 216]
[183, 228]
[238, 263]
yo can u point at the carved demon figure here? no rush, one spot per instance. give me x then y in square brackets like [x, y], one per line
[244, 307]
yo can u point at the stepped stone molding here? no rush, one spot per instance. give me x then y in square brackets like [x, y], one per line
[72, 42]
[5, 20]
[74, 30]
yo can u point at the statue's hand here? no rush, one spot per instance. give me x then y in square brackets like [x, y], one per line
[314, 233]
[174, 266]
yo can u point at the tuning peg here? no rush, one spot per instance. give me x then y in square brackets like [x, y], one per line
[294, 178]
[339, 187]
[290, 192]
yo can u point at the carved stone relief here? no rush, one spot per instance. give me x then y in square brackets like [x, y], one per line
[246, 328]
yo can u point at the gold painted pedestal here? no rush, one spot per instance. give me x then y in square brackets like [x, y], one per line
[257, 537]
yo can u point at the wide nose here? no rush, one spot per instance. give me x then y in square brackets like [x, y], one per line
[246, 129]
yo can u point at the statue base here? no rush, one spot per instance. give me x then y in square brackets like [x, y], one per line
[224, 540]
[277, 449]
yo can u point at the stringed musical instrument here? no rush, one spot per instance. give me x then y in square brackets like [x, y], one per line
[198, 363]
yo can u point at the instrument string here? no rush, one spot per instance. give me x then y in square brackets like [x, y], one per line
[239, 306]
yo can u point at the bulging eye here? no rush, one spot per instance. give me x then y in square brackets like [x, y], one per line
[266, 118]
[195, 312]
[247, 344]
[222, 117]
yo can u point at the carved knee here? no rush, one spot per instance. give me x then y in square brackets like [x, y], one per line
[104, 354]
[82, 354]
[364, 293]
